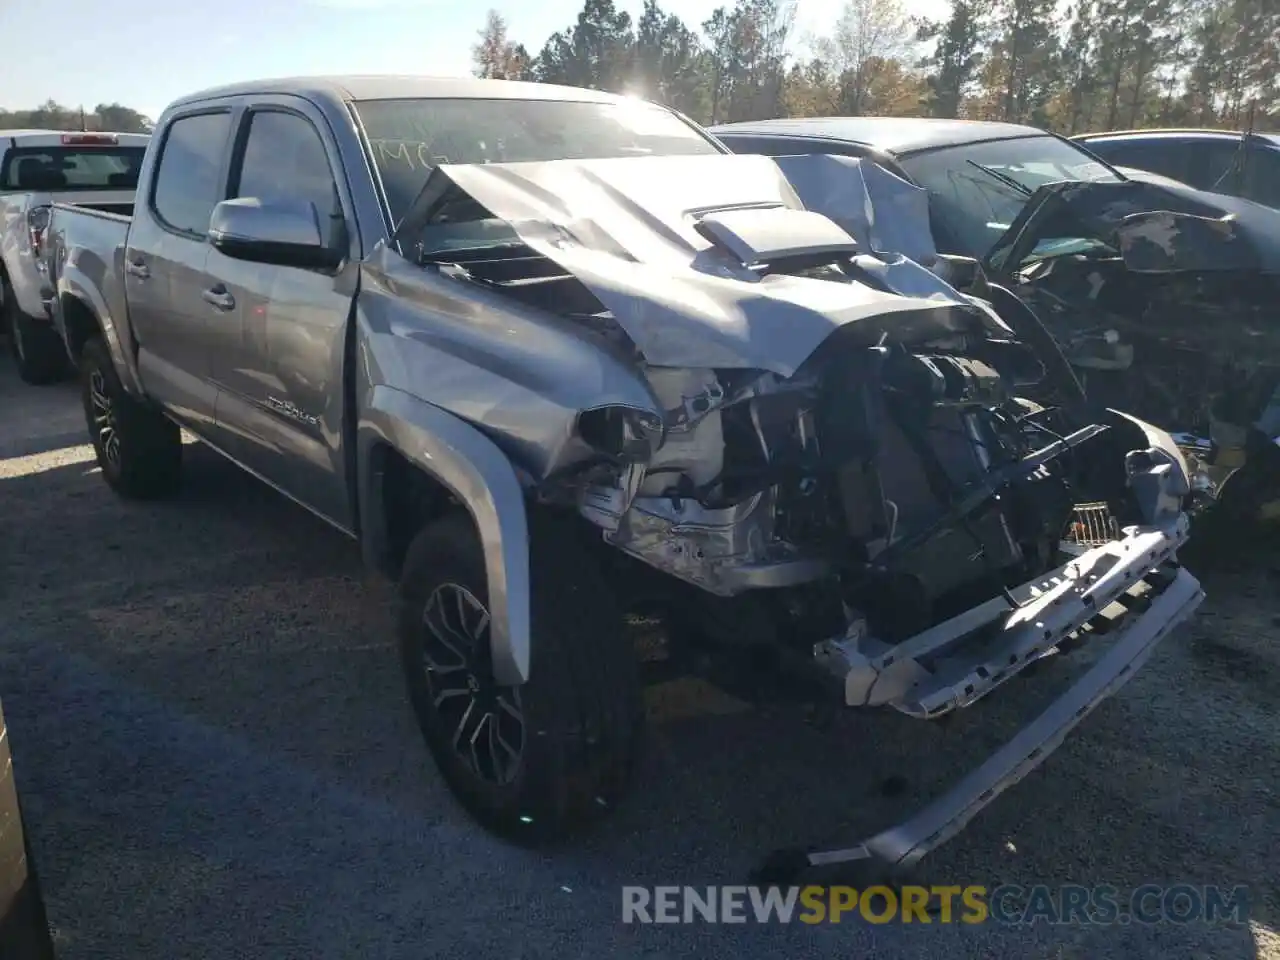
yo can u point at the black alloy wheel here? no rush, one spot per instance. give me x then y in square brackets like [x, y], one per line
[486, 720]
[102, 410]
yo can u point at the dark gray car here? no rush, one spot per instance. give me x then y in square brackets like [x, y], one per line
[1245, 165]
[1161, 296]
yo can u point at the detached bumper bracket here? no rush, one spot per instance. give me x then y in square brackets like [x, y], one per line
[901, 846]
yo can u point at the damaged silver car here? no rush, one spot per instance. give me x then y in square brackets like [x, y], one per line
[599, 366]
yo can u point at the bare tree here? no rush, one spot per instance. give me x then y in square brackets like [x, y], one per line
[868, 34]
[494, 57]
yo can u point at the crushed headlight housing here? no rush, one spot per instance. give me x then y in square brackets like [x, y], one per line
[622, 433]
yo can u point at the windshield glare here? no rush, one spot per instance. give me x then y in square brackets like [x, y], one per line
[975, 207]
[410, 137]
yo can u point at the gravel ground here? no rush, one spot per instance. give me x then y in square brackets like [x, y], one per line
[217, 760]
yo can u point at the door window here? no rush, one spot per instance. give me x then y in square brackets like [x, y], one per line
[1262, 176]
[1221, 160]
[188, 182]
[284, 159]
[1165, 156]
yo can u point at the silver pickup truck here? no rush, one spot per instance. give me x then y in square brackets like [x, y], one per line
[552, 356]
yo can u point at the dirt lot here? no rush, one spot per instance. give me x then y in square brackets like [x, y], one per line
[217, 760]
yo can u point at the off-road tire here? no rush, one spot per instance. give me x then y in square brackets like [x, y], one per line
[146, 462]
[583, 707]
[1250, 494]
[37, 350]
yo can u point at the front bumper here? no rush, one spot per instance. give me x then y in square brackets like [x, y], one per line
[1123, 597]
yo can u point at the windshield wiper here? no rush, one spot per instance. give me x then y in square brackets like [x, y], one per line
[1004, 178]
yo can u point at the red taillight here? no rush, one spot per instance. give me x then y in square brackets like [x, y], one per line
[89, 139]
[37, 224]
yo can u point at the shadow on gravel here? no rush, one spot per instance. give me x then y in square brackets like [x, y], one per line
[28, 448]
[221, 760]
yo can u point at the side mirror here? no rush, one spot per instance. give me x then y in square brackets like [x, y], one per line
[284, 233]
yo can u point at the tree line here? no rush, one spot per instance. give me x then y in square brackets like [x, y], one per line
[1097, 65]
[54, 116]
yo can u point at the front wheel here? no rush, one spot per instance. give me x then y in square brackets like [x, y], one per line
[1252, 494]
[535, 761]
[138, 448]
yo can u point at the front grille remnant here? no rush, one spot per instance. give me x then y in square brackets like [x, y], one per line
[1091, 526]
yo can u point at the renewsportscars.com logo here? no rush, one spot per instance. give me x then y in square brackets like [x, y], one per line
[1007, 904]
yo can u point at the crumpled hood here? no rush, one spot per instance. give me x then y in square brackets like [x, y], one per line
[1158, 226]
[662, 241]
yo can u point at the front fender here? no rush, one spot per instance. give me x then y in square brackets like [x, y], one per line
[479, 474]
[1157, 475]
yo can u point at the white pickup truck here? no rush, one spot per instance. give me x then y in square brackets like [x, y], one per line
[37, 169]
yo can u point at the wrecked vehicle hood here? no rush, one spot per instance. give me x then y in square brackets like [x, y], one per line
[688, 255]
[1156, 226]
[884, 212]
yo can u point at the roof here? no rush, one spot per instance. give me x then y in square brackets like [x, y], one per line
[891, 134]
[1168, 133]
[392, 87]
[29, 133]
[45, 138]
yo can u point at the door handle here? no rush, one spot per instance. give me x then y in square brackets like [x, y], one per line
[219, 297]
[137, 268]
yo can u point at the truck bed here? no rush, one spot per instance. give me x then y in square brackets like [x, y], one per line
[84, 255]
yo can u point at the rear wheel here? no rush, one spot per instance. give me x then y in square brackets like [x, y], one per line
[531, 762]
[38, 352]
[138, 448]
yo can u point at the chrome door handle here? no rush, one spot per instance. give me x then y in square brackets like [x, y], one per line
[137, 268]
[218, 297]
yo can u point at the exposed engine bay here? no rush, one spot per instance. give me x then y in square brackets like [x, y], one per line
[1192, 351]
[853, 470]
[1165, 309]
[1160, 297]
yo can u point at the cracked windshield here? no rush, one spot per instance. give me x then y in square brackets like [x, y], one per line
[978, 190]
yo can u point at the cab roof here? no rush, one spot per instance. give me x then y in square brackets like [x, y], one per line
[1168, 133]
[53, 138]
[406, 87]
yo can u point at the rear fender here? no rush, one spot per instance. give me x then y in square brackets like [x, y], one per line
[472, 467]
[74, 284]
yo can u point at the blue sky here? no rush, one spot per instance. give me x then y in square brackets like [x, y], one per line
[145, 53]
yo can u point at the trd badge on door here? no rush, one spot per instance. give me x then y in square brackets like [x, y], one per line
[292, 412]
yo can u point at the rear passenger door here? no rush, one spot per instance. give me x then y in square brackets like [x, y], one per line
[164, 264]
[279, 364]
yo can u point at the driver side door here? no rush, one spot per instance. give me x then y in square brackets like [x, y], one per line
[279, 369]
